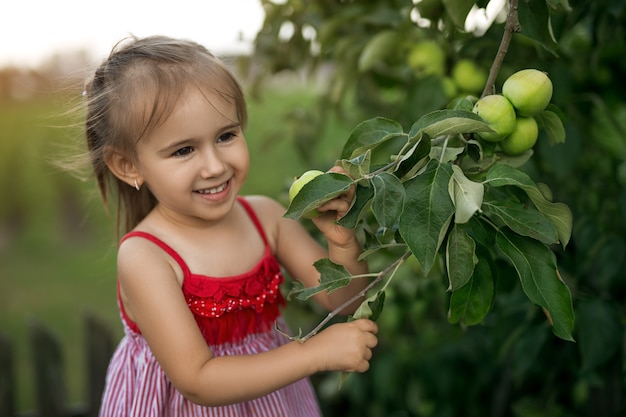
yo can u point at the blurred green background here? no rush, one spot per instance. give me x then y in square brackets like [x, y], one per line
[57, 245]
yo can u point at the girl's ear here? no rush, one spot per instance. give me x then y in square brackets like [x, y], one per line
[123, 168]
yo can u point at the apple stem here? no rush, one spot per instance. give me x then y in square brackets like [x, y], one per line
[511, 26]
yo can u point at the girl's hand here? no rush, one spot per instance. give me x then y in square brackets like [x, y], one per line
[345, 347]
[333, 210]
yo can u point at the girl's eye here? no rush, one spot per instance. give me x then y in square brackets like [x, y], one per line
[226, 137]
[183, 151]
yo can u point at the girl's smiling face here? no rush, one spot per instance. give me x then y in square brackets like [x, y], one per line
[196, 162]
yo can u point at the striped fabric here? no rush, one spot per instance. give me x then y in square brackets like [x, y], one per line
[136, 385]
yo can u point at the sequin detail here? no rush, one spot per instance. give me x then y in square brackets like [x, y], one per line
[229, 297]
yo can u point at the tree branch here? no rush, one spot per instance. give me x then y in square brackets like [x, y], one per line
[360, 294]
[511, 26]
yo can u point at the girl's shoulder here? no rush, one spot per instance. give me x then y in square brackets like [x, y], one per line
[143, 252]
[265, 207]
[269, 212]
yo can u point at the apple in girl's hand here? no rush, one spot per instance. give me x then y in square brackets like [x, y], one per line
[300, 182]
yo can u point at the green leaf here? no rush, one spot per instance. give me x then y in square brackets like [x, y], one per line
[429, 9]
[559, 214]
[515, 161]
[471, 303]
[535, 264]
[371, 307]
[523, 220]
[445, 153]
[369, 134]
[388, 199]
[462, 103]
[483, 233]
[552, 125]
[332, 277]
[460, 258]
[559, 6]
[534, 17]
[414, 159]
[427, 212]
[458, 10]
[319, 190]
[466, 195]
[362, 199]
[358, 166]
[416, 153]
[448, 122]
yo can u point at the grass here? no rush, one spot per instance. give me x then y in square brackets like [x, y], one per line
[57, 246]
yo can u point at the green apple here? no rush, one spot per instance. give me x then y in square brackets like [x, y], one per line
[300, 182]
[529, 90]
[468, 76]
[498, 112]
[523, 137]
[427, 58]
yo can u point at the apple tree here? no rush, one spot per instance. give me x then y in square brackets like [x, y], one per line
[489, 258]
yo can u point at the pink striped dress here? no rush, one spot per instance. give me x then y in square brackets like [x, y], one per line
[236, 316]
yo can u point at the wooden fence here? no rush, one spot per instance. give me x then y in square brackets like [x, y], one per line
[48, 363]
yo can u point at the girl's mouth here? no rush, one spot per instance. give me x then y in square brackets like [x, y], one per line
[214, 190]
[215, 193]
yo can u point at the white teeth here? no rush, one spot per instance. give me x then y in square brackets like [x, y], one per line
[213, 190]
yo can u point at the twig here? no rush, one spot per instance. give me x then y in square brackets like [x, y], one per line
[511, 26]
[360, 294]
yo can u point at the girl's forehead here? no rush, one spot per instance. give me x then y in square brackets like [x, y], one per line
[160, 107]
[206, 101]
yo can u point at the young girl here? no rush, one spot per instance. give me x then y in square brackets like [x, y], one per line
[199, 268]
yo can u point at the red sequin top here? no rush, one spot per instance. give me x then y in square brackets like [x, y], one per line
[227, 309]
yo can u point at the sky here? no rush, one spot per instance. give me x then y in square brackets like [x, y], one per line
[32, 31]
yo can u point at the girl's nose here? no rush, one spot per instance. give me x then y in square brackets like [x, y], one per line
[212, 164]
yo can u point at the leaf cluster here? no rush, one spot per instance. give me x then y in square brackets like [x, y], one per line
[421, 201]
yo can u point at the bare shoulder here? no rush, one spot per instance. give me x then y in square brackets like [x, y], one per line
[270, 214]
[135, 246]
[138, 257]
[266, 208]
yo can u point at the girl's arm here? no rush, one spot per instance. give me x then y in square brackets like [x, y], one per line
[343, 246]
[297, 250]
[151, 290]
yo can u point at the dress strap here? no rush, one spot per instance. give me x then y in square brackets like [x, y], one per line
[167, 248]
[170, 251]
[254, 218]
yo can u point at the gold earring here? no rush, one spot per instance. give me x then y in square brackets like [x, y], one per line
[137, 187]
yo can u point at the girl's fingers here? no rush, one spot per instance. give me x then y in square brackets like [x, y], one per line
[367, 325]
